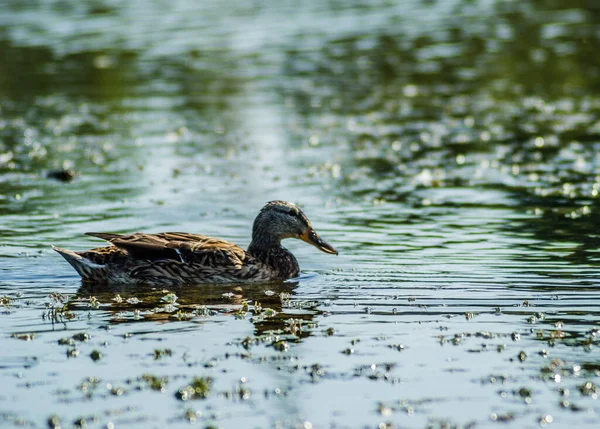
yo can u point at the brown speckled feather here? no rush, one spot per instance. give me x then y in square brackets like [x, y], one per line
[178, 246]
[173, 258]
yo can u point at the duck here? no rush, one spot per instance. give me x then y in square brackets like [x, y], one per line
[179, 258]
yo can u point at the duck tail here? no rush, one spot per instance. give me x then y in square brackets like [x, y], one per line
[87, 269]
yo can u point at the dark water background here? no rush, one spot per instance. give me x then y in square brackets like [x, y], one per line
[449, 149]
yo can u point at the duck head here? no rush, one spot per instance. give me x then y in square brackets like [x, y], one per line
[278, 220]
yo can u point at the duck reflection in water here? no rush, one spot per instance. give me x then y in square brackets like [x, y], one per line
[263, 304]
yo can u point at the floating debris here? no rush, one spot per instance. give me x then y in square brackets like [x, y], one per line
[93, 302]
[66, 342]
[26, 336]
[269, 312]
[83, 337]
[192, 415]
[155, 382]
[199, 388]
[506, 417]
[397, 347]
[281, 346]
[114, 390]
[169, 298]
[53, 422]
[160, 353]
[64, 175]
[96, 355]
[545, 420]
[589, 389]
[73, 352]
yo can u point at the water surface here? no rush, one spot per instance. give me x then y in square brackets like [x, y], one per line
[449, 150]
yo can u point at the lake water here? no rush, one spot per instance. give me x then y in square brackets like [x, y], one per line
[450, 150]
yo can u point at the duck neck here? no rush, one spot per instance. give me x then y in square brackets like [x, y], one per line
[268, 250]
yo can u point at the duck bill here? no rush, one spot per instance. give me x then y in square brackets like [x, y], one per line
[311, 237]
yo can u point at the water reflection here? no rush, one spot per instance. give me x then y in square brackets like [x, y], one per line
[500, 105]
[262, 304]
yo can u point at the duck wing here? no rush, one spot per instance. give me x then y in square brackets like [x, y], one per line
[178, 246]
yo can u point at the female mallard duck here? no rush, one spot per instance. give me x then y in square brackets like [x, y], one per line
[176, 258]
